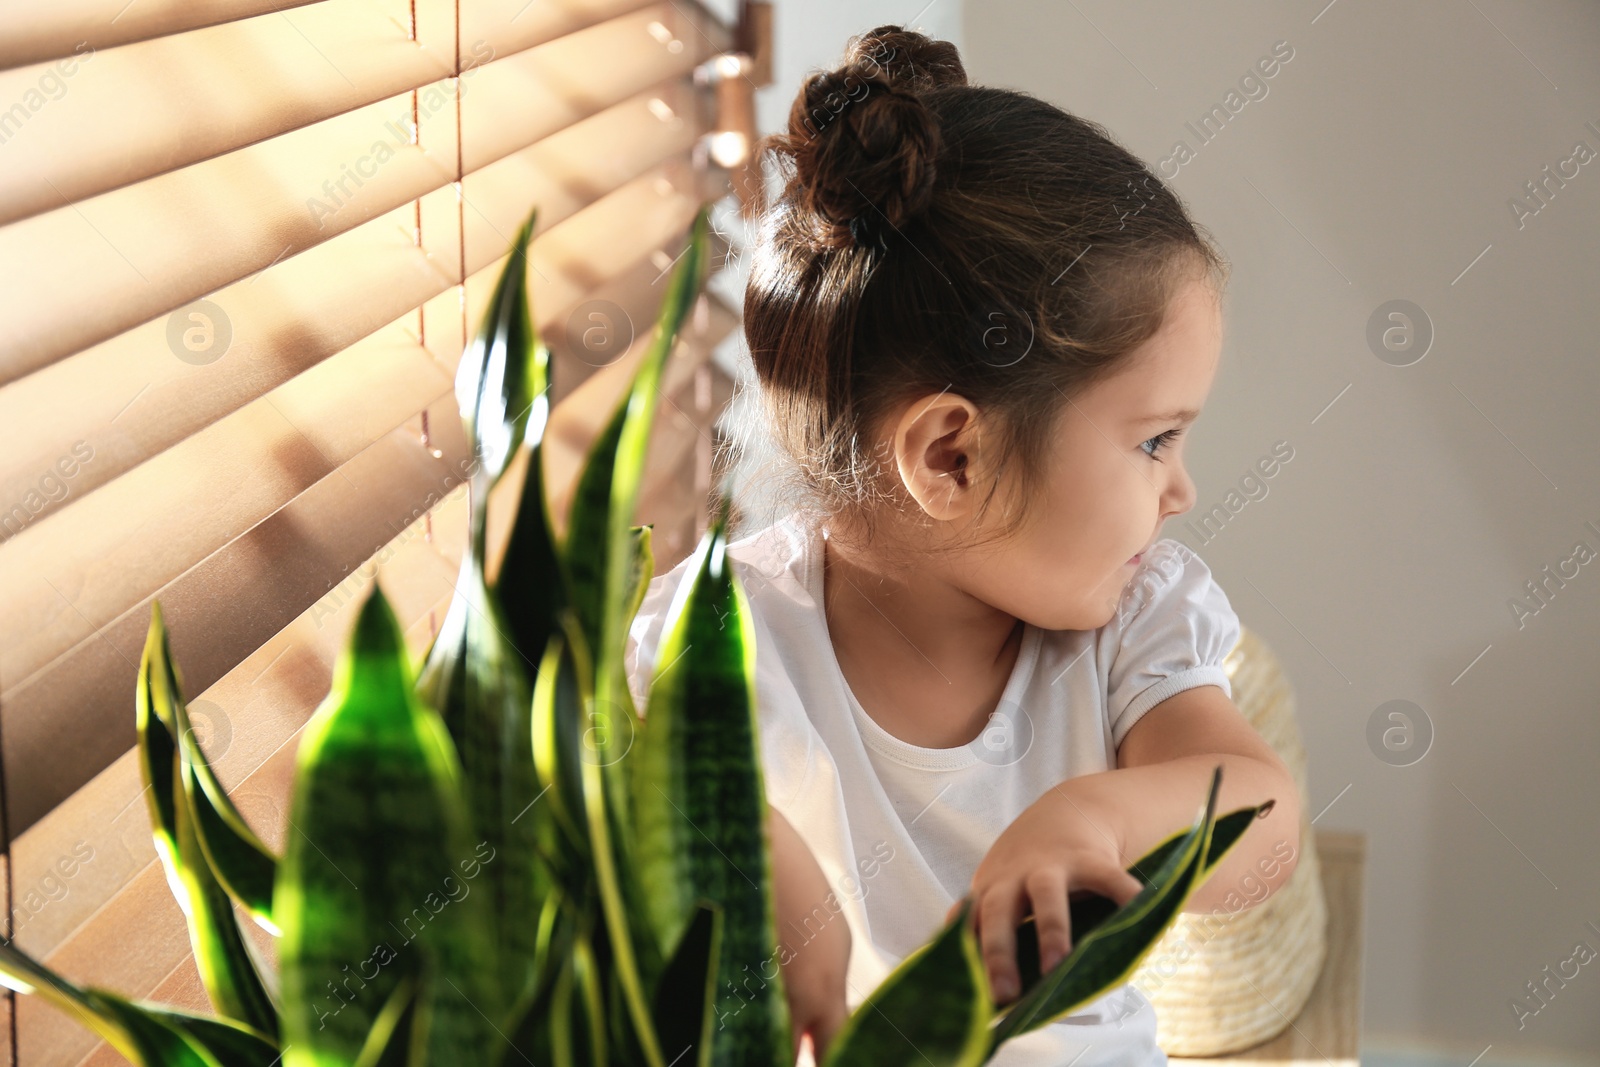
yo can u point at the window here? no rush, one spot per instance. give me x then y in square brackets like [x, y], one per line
[242, 244]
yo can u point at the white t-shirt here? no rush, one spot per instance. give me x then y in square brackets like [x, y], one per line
[897, 829]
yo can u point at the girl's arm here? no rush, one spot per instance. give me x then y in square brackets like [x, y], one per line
[813, 937]
[1164, 769]
[1085, 832]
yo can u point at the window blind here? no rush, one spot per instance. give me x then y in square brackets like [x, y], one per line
[242, 246]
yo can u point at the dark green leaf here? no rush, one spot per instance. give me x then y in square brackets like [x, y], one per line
[494, 376]
[233, 1044]
[399, 1036]
[1092, 909]
[933, 1009]
[476, 681]
[534, 1028]
[560, 724]
[226, 966]
[380, 866]
[686, 994]
[699, 803]
[155, 1043]
[240, 862]
[1107, 955]
[640, 572]
[588, 1010]
[597, 549]
[623, 930]
[531, 583]
[474, 674]
[149, 1035]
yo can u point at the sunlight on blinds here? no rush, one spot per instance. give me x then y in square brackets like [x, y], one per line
[242, 245]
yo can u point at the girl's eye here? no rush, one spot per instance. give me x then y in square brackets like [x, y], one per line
[1160, 440]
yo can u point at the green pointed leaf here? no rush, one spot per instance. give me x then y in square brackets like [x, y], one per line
[1107, 955]
[531, 583]
[588, 1011]
[494, 376]
[476, 681]
[378, 854]
[560, 722]
[686, 994]
[586, 542]
[148, 1035]
[1225, 834]
[1092, 909]
[599, 555]
[399, 1036]
[473, 673]
[155, 1043]
[576, 1024]
[699, 800]
[227, 969]
[241, 863]
[641, 569]
[566, 1023]
[568, 655]
[932, 1009]
[533, 1032]
[233, 1044]
[596, 548]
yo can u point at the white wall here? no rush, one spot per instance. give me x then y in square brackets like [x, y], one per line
[1381, 561]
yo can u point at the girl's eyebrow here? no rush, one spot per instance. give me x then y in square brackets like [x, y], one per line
[1185, 415]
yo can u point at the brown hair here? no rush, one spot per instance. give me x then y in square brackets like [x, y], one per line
[934, 235]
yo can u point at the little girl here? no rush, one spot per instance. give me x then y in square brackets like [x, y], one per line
[980, 329]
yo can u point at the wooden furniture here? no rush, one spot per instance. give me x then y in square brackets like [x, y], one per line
[1328, 1029]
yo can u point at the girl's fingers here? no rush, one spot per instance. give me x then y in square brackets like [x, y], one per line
[825, 1027]
[1047, 890]
[1119, 885]
[999, 912]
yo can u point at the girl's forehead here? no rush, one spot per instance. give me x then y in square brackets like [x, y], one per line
[1171, 373]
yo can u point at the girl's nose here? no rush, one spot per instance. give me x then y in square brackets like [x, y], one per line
[1181, 494]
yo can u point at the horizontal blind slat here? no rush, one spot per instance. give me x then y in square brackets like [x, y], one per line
[530, 94]
[226, 604]
[270, 76]
[605, 238]
[38, 32]
[202, 94]
[133, 395]
[148, 249]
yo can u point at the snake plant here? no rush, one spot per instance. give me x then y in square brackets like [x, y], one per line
[493, 858]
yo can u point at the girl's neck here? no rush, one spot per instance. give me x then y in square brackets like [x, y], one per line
[927, 661]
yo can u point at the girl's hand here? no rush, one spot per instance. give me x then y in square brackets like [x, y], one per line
[815, 939]
[1058, 845]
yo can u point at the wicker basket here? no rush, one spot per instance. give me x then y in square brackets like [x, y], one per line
[1228, 981]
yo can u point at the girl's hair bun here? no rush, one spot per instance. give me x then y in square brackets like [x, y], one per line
[863, 141]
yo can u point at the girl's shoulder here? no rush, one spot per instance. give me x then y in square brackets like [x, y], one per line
[772, 565]
[1173, 629]
[774, 557]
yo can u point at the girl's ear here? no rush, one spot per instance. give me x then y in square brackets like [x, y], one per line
[935, 449]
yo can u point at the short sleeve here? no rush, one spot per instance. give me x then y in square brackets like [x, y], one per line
[1175, 627]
